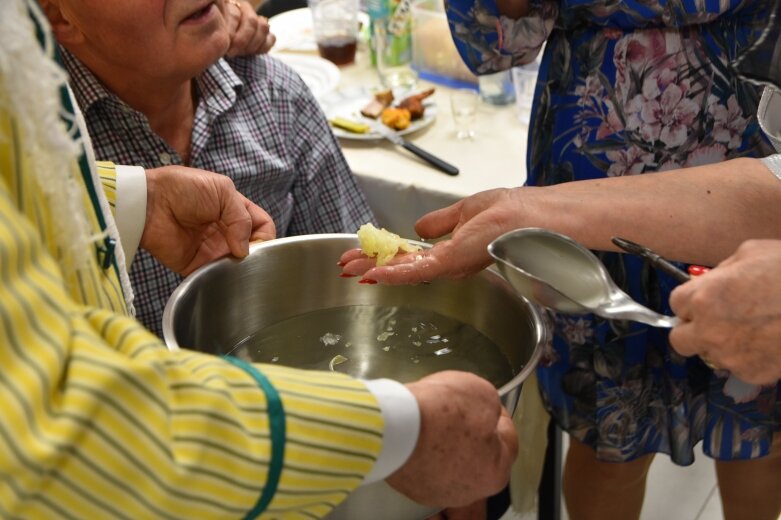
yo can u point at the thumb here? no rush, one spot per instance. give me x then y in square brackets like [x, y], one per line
[233, 18]
[235, 221]
[439, 222]
[263, 227]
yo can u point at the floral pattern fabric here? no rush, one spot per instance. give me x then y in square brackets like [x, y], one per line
[632, 87]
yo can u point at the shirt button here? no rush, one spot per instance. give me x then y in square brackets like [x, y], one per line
[165, 158]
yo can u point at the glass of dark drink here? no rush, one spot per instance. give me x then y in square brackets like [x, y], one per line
[335, 25]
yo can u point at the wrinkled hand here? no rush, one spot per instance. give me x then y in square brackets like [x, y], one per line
[194, 216]
[466, 446]
[474, 221]
[250, 33]
[732, 314]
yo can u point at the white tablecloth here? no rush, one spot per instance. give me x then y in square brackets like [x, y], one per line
[401, 187]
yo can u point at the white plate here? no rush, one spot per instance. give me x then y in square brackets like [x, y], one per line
[294, 31]
[321, 76]
[348, 103]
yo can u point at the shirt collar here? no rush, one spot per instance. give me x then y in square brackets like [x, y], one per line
[218, 87]
[87, 88]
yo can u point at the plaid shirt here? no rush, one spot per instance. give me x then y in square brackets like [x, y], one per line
[258, 123]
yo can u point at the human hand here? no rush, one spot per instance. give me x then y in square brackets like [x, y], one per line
[250, 33]
[466, 446]
[474, 221]
[194, 216]
[732, 314]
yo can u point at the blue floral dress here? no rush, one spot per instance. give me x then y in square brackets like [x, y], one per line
[629, 87]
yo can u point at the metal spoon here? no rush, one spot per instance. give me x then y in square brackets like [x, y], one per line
[556, 272]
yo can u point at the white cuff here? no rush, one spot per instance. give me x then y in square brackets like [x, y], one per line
[769, 115]
[773, 163]
[130, 208]
[402, 426]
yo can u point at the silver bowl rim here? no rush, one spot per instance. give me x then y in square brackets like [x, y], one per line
[535, 311]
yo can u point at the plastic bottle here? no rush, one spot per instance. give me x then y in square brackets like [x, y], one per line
[391, 42]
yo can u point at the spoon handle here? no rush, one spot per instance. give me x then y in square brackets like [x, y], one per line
[646, 316]
[622, 307]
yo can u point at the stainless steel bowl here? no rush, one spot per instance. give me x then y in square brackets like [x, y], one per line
[223, 303]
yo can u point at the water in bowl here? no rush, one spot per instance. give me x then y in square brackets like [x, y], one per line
[372, 341]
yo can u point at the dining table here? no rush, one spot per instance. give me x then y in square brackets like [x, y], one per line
[401, 187]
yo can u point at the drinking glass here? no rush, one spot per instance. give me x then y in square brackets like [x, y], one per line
[463, 104]
[393, 55]
[525, 81]
[497, 88]
[335, 24]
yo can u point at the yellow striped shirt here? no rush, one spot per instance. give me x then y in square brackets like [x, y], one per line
[101, 421]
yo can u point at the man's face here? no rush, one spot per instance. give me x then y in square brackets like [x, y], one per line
[166, 39]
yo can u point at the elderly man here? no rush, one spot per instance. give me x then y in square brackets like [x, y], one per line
[99, 420]
[155, 91]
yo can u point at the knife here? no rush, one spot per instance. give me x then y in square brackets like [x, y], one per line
[396, 139]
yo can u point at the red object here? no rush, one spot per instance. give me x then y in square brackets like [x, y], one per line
[367, 281]
[697, 270]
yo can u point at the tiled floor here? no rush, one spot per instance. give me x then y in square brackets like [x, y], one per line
[688, 493]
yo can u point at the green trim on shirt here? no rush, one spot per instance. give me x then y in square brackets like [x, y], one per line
[276, 417]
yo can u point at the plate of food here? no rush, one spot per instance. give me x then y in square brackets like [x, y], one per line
[353, 112]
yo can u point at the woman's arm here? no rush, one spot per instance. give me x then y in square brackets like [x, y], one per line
[696, 215]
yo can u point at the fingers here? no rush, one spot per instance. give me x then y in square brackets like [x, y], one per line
[440, 222]
[410, 269]
[680, 301]
[263, 227]
[359, 266]
[257, 33]
[349, 256]
[269, 38]
[240, 219]
[681, 298]
[407, 269]
[232, 16]
[508, 436]
[683, 339]
[250, 32]
[505, 450]
[244, 31]
[236, 224]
